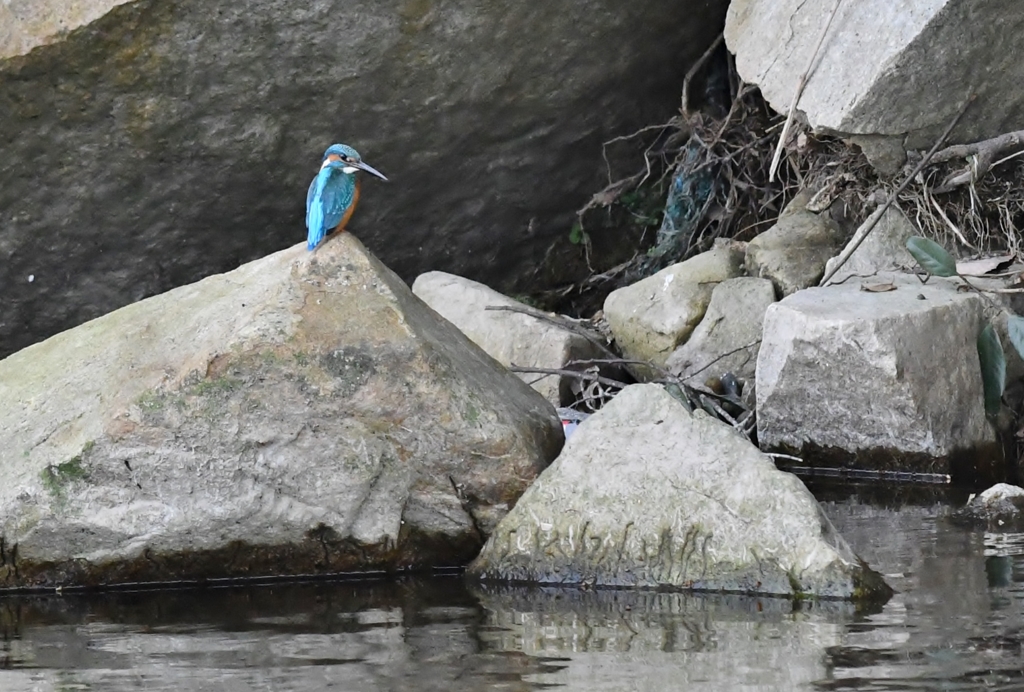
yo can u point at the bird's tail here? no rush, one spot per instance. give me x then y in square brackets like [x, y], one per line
[315, 236]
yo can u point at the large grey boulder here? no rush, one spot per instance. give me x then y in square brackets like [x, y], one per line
[145, 145]
[646, 494]
[304, 413]
[898, 70]
[650, 318]
[511, 338]
[891, 379]
[728, 338]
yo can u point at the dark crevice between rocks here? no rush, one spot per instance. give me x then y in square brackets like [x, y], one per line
[9, 574]
[322, 534]
[469, 505]
[979, 466]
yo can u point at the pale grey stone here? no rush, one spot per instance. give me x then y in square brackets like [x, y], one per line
[646, 494]
[884, 249]
[998, 509]
[900, 70]
[793, 252]
[847, 369]
[303, 413]
[733, 320]
[650, 318]
[508, 337]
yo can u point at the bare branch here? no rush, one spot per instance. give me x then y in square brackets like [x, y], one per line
[578, 374]
[724, 355]
[692, 72]
[558, 321]
[798, 93]
[982, 155]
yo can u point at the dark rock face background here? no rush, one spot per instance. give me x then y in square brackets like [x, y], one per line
[168, 141]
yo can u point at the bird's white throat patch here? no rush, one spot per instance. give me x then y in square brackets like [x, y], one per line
[347, 169]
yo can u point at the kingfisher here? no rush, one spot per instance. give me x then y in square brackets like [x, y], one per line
[334, 192]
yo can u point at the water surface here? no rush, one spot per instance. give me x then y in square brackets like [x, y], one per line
[955, 623]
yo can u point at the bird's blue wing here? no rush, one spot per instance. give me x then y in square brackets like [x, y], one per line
[330, 194]
[317, 204]
[309, 198]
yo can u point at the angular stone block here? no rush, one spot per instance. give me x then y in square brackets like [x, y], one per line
[892, 377]
[304, 413]
[734, 320]
[900, 70]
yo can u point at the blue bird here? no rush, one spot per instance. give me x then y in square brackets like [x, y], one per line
[334, 192]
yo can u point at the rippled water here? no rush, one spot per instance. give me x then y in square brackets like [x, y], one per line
[956, 623]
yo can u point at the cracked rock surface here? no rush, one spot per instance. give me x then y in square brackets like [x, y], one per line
[646, 494]
[878, 67]
[304, 413]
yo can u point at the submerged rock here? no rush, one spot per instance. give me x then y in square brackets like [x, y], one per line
[304, 413]
[646, 494]
[889, 380]
[511, 338]
[1000, 508]
[674, 640]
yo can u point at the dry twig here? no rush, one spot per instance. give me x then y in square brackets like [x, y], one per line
[692, 72]
[559, 321]
[579, 374]
[724, 355]
[798, 93]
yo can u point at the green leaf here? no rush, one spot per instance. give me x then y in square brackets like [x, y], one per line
[1015, 327]
[993, 368]
[576, 234]
[677, 393]
[932, 257]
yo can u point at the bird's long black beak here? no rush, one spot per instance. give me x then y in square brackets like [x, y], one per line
[369, 169]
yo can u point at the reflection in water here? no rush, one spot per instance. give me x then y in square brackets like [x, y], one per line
[956, 623]
[624, 640]
[940, 630]
[404, 635]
